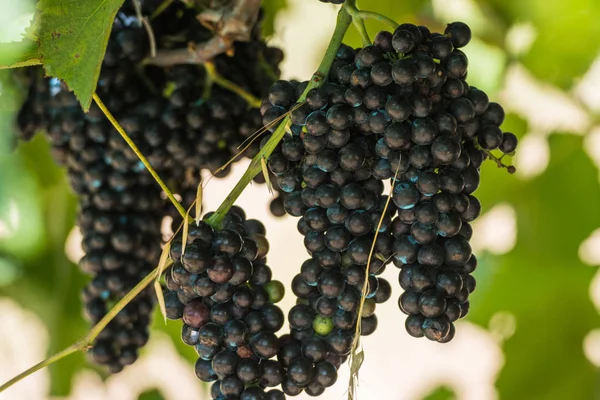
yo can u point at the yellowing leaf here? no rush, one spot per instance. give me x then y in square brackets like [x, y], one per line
[186, 228]
[164, 258]
[161, 300]
[199, 194]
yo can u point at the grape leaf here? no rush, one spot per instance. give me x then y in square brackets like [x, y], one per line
[541, 281]
[19, 54]
[73, 36]
[562, 50]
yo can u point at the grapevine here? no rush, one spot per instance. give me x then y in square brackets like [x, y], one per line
[181, 91]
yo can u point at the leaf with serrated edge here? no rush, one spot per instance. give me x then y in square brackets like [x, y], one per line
[161, 299]
[73, 36]
[19, 54]
[199, 195]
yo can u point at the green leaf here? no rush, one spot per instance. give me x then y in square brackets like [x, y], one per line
[542, 282]
[73, 36]
[441, 393]
[19, 54]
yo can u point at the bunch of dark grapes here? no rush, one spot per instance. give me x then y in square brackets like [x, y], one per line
[325, 169]
[433, 132]
[441, 130]
[402, 110]
[181, 124]
[220, 286]
[120, 205]
[32, 116]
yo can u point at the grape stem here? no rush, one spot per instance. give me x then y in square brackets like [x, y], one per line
[358, 22]
[511, 169]
[144, 21]
[356, 357]
[215, 77]
[230, 24]
[141, 156]
[378, 17]
[318, 79]
[86, 342]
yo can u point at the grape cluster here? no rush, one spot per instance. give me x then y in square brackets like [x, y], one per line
[220, 286]
[325, 169]
[436, 131]
[179, 121]
[32, 116]
[400, 109]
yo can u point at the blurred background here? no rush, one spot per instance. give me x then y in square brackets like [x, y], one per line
[534, 329]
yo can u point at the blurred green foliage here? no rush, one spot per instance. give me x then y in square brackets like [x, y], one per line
[441, 393]
[541, 281]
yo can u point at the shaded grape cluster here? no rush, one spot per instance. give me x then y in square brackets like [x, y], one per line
[221, 287]
[178, 120]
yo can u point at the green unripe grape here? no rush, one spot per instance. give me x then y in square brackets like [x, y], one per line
[322, 325]
[275, 290]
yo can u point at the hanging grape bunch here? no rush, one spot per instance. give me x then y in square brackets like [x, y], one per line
[221, 287]
[398, 111]
[179, 120]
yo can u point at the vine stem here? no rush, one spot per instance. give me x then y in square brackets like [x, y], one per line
[343, 22]
[379, 17]
[85, 343]
[141, 156]
[358, 22]
[215, 77]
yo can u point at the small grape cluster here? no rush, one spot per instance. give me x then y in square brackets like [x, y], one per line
[220, 286]
[178, 120]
